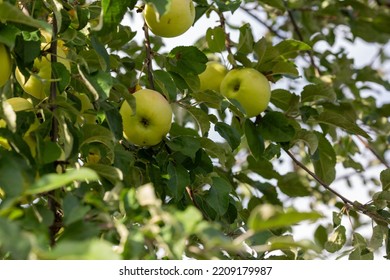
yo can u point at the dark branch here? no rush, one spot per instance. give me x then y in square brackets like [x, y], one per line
[149, 56]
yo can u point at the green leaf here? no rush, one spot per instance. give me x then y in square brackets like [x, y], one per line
[161, 5]
[13, 241]
[214, 150]
[201, 117]
[267, 216]
[187, 61]
[385, 179]
[215, 38]
[290, 48]
[339, 120]
[90, 249]
[316, 92]
[379, 234]
[254, 139]
[110, 173]
[308, 137]
[336, 240]
[245, 41]
[112, 14]
[51, 152]
[286, 68]
[179, 179]
[263, 167]
[61, 75]
[324, 160]
[218, 196]
[99, 83]
[165, 84]
[229, 133]
[294, 185]
[275, 126]
[9, 12]
[73, 209]
[285, 100]
[209, 97]
[53, 181]
[275, 3]
[320, 236]
[187, 145]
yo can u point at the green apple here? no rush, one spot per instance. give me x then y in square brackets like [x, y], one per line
[38, 83]
[212, 77]
[249, 87]
[6, 65]
[176, 20]
[150, 122]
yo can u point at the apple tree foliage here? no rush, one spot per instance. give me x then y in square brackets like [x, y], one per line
[219, 185]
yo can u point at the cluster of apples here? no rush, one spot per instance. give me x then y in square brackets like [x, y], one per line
[151, 120]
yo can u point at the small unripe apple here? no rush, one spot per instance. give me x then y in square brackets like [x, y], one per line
[150, 122]
[249, 87]
[6, 65]
[212, 77]
[178, 18]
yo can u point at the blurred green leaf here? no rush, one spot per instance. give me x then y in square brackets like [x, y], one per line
[12, 13]
[13, 242]
[385, 179]
[91, 249]
[294, 185]
[336, 240]
[53, 181]
[315, 92]
[269, 216]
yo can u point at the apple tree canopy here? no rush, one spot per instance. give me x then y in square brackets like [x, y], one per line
[308, 178]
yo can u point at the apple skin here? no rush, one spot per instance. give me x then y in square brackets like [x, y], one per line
[150, 122]
[249, 87]
[6, 65]
[177, 19]
[212, 77]
[36, 86]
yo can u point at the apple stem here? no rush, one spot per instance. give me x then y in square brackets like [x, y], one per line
[149, 57]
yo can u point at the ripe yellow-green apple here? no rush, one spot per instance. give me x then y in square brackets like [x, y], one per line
[249, 87]
[150, 122]
[176, 20]
[212, 77]
[6, 66]
[38, 83]
[17, 104]
[3, 141]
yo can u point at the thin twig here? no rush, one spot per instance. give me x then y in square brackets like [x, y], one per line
[348, 203]
[301, 38]
[269, 27]
[228, 42]
[372, 150]
[53, 204]
[149, 56]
